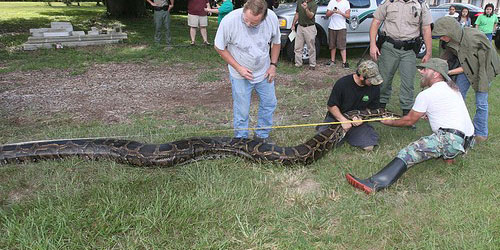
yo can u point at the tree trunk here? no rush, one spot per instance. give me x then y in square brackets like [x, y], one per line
[125, 8]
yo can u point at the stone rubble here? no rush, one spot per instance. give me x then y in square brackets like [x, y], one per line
[61, 34]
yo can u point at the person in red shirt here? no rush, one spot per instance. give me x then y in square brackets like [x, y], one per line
[197, 18]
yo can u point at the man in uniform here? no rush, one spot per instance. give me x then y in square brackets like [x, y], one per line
[306, 32]
[358, 91]
[404, 22]
[162, 18]
[449, 119]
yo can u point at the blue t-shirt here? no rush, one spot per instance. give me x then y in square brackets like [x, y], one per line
[224, 9]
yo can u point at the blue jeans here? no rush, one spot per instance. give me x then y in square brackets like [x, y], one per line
[242, 94]
[481, 117]
[489, 36]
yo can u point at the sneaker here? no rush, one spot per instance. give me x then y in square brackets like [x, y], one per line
[345, 65]
[330, 63]
[312, 67]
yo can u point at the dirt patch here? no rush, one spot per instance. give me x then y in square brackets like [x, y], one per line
[113, 92]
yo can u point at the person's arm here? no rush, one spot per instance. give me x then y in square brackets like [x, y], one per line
[151, 2]
[309, 13]
[374, 52]
[271, 71]
[295, 19]
[426, 32]
[171, 5]
[346, 14]
[407, 120]
[216, 11]
[456, 71]
[335, 111]
[229, 59]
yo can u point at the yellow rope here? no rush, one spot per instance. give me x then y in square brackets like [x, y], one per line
[298, 125]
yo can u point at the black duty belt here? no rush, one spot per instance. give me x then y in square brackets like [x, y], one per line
[165, 7]
[307, 25]
[404, 45]
[454, 131]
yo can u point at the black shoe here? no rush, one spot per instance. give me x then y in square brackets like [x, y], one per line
[345, 65]
[330, 63]
[383, 179]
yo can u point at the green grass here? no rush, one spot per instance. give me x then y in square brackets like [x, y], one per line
[230, 203]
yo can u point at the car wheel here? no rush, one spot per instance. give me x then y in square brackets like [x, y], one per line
[290, 53]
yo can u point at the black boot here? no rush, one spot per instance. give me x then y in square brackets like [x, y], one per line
[383, 179]
[405, 112]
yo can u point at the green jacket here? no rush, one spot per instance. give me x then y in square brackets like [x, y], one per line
[477, 56]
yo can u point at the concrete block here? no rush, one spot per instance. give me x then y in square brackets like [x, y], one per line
[62, 25]
[78, 33]
[56, 33]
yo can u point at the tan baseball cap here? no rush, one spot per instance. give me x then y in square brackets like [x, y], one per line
[437, 64]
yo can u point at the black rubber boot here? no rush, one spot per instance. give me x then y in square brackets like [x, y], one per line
[405, 112]
[383, 179]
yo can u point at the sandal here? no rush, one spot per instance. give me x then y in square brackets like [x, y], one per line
[207, 43]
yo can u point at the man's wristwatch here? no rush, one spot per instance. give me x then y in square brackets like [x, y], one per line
[275, 64]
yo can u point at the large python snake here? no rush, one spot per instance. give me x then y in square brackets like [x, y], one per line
[183, 151]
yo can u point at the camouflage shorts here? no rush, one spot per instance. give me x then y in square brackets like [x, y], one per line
[440, 144]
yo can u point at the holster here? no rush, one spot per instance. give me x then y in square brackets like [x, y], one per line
[417, 44]
[381, 38]
[468, 142]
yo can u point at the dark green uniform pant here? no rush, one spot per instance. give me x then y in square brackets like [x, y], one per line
[162, 19]
[388, 63]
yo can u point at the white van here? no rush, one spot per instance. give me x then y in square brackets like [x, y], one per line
[358, 25]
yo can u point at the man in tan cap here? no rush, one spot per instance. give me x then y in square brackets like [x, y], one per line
[449, 120]
[358, 91]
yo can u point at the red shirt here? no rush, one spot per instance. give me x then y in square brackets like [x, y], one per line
[197, 7]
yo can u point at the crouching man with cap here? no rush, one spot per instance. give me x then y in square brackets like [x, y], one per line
[449, 119]
[358, 91]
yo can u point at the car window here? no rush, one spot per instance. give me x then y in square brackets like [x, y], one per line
[359, 4]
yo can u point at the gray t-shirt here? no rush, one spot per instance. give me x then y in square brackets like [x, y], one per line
[161, 3]
[249, 46]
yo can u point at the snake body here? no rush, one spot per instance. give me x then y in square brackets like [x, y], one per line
[183, 151]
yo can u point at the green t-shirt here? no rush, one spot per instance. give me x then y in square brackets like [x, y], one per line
[303, 19]
[486, 24]
[224, 9]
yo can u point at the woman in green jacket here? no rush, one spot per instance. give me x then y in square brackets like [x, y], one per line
[478, 64]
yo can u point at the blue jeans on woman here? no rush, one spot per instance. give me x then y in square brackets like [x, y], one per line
[242, 94]
[481, 117]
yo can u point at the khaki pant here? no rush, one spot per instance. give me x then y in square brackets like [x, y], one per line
[389, 62]
[305, 35]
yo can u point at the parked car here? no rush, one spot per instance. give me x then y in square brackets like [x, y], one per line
[443, 9]
[358, 25]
